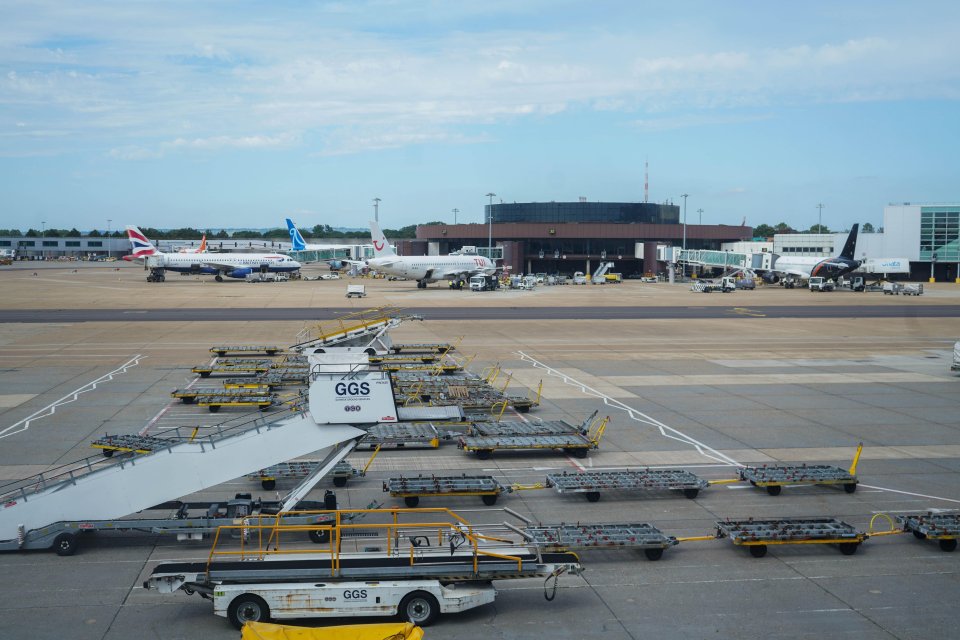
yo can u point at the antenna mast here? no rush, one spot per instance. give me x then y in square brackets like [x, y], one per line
[646, 181]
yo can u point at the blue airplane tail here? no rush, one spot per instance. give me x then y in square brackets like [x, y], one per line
[295, 238]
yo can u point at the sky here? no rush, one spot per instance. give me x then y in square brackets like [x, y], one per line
[215, 114]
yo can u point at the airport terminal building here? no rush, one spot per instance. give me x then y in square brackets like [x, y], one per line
[565, 237]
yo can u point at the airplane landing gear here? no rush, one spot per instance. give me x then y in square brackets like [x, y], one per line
[421, 284]
[218, 278]
[156, 275]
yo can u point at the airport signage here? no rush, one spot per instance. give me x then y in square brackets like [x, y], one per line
[336, 399]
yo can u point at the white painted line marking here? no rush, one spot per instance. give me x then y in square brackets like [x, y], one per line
[639, 416]
[50, 409]
[910, 493]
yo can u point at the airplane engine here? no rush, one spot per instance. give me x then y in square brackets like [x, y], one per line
[771, 278]
[240, 273]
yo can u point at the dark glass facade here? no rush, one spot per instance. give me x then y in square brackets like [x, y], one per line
[559, 212]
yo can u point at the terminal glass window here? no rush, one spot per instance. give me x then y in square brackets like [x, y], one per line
[50, 243]
[94, 243]
[71, 243]
[5, 243]
[940, 233]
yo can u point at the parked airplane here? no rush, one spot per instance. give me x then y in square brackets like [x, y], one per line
[425, 269]
[803, 267]
[201, 249]
[299, 244]
[232, 265]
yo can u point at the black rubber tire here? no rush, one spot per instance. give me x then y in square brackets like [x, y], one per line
[849, 548]
[65, 544]
[948, 544]
[268, 485]
[271, 352]
[319, 536]
[758, 550]
[850, 487]
[108, 453]
[214, 408]
[420, 608]
[582, 452]
[411, 501]
[919, 535]
[219, 278]
[593, 496]
[204, 374]
[523, 409]
[489, 500]
[247, 607]
[339, 481]
[653, 554]
[691, 493]
[483, 454]
[187, 400]
[774, 489]
[221, 353]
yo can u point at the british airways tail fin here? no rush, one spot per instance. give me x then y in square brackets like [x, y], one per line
[140, 246]
[295, 238]
[851, 246]
[381, 248]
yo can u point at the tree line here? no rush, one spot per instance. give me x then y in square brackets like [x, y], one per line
[189, 233]
[768, 231]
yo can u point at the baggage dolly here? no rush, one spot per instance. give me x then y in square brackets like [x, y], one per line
[758, 534]
[774, 478]
[412, 489]
[600, 536]
[590, 483]
[245, 350]
[942, 527]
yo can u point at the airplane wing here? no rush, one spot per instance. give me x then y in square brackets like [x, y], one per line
[224, 267]
[799, 273]
[451, 274]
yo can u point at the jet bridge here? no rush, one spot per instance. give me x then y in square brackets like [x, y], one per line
[101, 488]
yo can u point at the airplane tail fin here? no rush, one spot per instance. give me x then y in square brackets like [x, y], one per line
[141, 247]
[381, 247]
[299, 244]
[203, 245]
[851, 246]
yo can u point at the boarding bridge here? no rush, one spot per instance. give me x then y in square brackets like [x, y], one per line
[727, 259]
[101, 488]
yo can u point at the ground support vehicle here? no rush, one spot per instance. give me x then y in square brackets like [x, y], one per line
[129, 443]
[576, 444]
[417, 563]
[912, 290]
[604, 536]
[467, 392]
[438, 368]
[431, 347]
[818, 283]
[356, 291]
[412, 489]
[189, 396]
[299, 469]
[726, 285]
[516, 428]
[892, 288]
[956, 357]
[757, 535]
[775, 477]
[484, 283]
[232, 369]
[942, 527]
[257, 384]
[591, 483]
[402, 435]
[245, 350]
[214, 402]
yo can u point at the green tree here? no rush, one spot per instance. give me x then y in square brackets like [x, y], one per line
[819, 228]
[867, 228]
[763, 231]
[32, 233]
[73, 233]
[94, 234]
[783, 227]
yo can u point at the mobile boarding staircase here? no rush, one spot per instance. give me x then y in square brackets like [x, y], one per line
[104, 488]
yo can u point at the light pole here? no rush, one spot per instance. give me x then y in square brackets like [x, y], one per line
[376, 210]
[684, 196]
[700, 221]
[490, 232]
[43, 228]
[455, 212]
[109, 220]
[820, 218]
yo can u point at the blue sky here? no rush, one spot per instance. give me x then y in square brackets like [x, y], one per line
[238, 114]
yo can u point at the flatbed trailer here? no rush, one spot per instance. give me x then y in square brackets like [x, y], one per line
[411, 489]
[576, 444]
[517, 428]
[188, 396]
[591, 483]
[404, 358]
[248, 383]
[206, 370]
[401, 435]
[215, 402]
[245, 350]
[758, 534]
[132, 443]
[299, 469]
[424, 347]
[774, 477]
[604, 536]
[436, 368]
[394, 567]
[942, 527]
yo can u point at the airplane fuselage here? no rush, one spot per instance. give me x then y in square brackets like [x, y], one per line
[433, 268]
[805, 267]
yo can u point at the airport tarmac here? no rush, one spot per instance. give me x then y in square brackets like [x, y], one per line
[696, 392]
